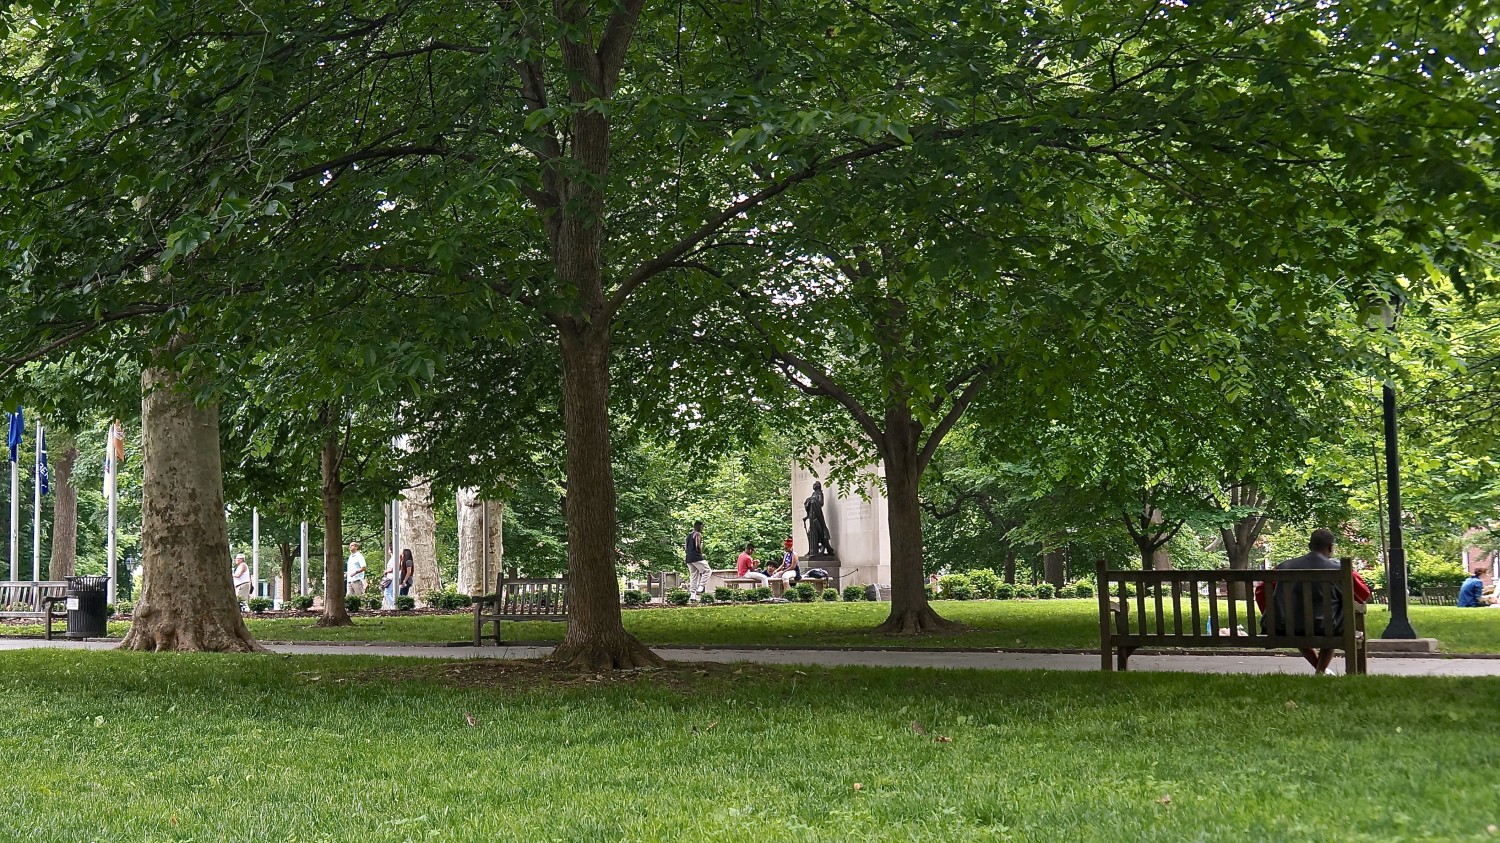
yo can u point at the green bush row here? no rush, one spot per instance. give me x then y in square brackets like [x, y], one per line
[986, 585]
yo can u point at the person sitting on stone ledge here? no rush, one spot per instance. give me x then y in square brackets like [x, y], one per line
[790, 569]
[745, 565]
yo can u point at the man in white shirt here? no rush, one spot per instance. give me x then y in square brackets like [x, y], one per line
[242, 582]
[354, 572]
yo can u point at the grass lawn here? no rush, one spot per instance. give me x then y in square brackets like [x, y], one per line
[1068, 624]
[258, 748]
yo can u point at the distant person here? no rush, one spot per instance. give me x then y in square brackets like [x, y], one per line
[790, 569]
[698, 570]
[242, 581]
[408, 569]
[1471, 595]
[1290, 600]
[354, 571]
[745, 565]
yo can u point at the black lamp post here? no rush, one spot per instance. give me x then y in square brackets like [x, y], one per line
[1396, 591]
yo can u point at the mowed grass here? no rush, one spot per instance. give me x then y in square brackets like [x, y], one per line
[127, 746]
[991, 624]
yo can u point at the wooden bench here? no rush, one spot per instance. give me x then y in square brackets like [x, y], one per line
[1438, 595]
[1170, 611]
[34, 599]
[520, 600]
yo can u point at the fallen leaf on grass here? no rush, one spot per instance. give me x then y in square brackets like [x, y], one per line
[470, 718]
[173, 821]
[710, 726]
[942, 739]
[858, 786]
[1290, 705]
[917, 727]
[1166, 799]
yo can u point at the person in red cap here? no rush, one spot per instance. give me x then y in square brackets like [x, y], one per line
[790, 569]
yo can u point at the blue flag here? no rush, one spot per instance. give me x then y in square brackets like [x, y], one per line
[17, 427]
[41, 466]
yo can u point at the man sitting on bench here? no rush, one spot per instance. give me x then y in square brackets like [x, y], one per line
[1327, 611]
[746, 567]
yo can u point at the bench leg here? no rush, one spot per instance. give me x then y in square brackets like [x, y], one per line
[478, 628]
[1122, 657]
[498, 642]
[1104, 661]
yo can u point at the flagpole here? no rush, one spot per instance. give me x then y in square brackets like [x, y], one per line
[112, 473]
[36, 512]
[303, 589]
[255, 551]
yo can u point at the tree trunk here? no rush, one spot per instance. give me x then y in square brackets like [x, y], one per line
[471, 520]
[419, 535]
[188, 602]
[596, 638]
[334, 613]
[911, 614]
[1010, 564]
[286, 571]
[64, 517]
[1054, 564]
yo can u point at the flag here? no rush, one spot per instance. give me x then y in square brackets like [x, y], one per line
[41, 462]
[17, 427]
[114, 451]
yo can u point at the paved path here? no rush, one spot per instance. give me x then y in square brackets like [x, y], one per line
[881, 658]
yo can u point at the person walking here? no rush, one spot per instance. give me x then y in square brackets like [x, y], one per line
[242, 581]
[698, 569]
[408, 569]
[354, 571]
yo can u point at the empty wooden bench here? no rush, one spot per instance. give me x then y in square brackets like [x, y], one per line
[1166, 609]
[38, 600]
[1439, 595]
[520, 600]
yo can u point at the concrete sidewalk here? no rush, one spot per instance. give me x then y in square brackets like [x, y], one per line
[1228, 664]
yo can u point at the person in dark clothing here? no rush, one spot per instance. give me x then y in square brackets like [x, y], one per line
[698, 569]
[1471, 595]
[1291, 600]
[408, 569]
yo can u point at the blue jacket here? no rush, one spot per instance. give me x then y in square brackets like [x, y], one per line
[1469, 596]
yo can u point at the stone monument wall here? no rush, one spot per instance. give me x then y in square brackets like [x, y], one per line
[858, 527]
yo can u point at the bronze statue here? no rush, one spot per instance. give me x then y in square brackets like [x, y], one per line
[819, 542]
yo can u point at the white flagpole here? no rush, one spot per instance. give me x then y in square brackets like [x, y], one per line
[255, 551]
[112, 477]
[36, 512]
[15, 515]
[303, 589]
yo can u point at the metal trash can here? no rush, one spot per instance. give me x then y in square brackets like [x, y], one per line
[87, 601]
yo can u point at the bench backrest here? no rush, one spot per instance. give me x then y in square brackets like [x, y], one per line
[1439, 595]
[1171, 608]
[527, 598]
[26, 595]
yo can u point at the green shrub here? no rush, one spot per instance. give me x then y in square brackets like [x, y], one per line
[1046, 591]
[830, 595]
[124, 607]
[259, 605]
[806, 592]
[739, 595]
[1005, 591]
[109, 608]
[353, 603]
[635, 597]
[405, 603]
[1025, 590]
[1426, 570]
[302, 602]
[448, 599]
[854, 593]
[1083, 588]
[955, 587]
[760, 594]
[704, 599]
[679, 596]
[985, 582]
[1067, 592]
[928, 592]
[723, 594]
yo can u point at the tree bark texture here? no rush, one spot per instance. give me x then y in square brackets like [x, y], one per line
[64, 558]
[286, 570]
[188, 600]
[419, 535]
[1010, 564]
[334, 612]
[1054, 566]
[596, 638]
[471, 544]
[911, 614]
